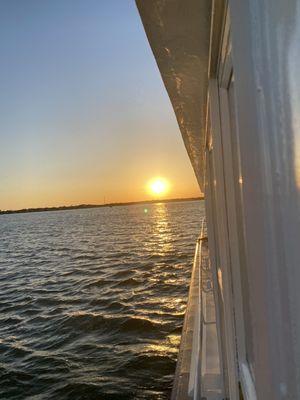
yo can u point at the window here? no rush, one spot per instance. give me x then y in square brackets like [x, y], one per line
[238, 183]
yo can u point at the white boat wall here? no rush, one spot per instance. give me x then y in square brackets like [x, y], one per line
[231, 70]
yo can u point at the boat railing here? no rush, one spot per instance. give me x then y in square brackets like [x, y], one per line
[198, 372]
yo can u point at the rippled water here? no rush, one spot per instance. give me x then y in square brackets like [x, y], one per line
[92, 301]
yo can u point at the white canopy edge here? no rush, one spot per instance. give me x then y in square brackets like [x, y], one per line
[179, 32]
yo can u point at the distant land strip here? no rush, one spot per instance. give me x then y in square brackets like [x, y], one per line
[80, 206]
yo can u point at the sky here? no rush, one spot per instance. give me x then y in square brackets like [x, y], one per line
[84, 115]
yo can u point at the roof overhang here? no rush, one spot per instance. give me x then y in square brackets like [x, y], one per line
[179, 34]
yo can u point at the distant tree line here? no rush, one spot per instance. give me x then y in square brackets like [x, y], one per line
[81, 206]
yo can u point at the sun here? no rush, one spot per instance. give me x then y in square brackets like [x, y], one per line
[158, 186]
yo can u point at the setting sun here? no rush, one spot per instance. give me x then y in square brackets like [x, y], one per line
[158, 186]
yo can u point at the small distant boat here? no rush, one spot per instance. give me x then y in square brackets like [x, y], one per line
[232, 75]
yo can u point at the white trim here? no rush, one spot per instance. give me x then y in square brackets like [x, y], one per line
[225, 71]
[213, 251]
[224, 268]
[248, 388]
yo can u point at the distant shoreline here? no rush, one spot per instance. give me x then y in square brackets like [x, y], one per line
[82, 206]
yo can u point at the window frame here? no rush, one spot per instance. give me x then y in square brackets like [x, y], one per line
[223, 81]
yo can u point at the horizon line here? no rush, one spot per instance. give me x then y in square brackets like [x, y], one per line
[82, 206]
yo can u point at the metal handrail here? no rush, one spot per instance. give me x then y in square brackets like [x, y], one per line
[194, 387]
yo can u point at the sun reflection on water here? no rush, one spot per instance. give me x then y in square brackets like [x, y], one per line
[160, 241]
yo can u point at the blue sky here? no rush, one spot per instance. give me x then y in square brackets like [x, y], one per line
[84, 113]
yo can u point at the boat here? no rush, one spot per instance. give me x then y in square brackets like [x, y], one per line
[231, 70]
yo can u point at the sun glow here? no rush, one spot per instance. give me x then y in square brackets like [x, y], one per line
[158, 186]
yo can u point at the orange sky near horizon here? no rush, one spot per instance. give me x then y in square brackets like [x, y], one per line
[84, 113]
[92, 185]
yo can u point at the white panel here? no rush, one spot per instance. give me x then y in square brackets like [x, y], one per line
[266, 53]
[224, 270]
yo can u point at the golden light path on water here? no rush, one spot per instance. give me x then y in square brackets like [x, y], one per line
[161, 246]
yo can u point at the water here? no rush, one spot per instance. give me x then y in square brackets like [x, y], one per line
[92, 301]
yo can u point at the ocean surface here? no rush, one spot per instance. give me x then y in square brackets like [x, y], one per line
[92, 301]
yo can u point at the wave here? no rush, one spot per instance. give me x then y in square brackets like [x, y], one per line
[87, 314]
[90, 322]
